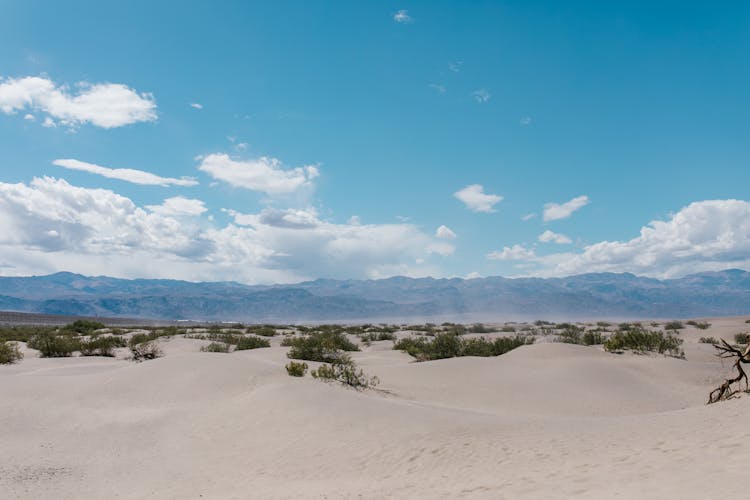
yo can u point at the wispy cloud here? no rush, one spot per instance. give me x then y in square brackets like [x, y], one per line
[124, 174]
[455, 66]
[526, 120]
[196, 105]
[106, 105]
[481, 95]
[402, 16]
[440, 89]
[476, 200]
[555, 211]
[528, 216]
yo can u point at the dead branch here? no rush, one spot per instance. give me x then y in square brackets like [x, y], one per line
[731, 386]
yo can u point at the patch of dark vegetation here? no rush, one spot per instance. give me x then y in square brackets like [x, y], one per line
[541, 322]
[23, 333]
[741, 338]
[574, 334]
[10, 353]
[215, 347]
[344, 370]
[246, 343]
[51, 345]
[144, 347]
[449, 345]
[101, 346]
[508, 329]
[709, 340]
[82, 327]
[674, 325]
[481, 328]
[296, 369]
[701, 325]
[369, 337]
[262, 330]
[641, 340]
[318, 346]
[603, 324]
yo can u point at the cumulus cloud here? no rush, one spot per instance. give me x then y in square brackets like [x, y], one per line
[481, 95]
[49, 225]
[262, 174]
[179, 206]
[515, 252]
[552, 237]
[445, 233]
[106, 105]
[476, 200]
[555, 211]
[402, 17]
[125, 174]
[703, 236]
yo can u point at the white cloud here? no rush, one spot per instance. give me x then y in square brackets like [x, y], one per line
[196, 105]
[445, 233]
[242, 146]
[552, 237]
[481, 95]
[354, 220]
[473, 275]
[440, 89]
[455, 66]
[178, 205]
[262, 174]
[125, 174]
[515, 252]
[402, 16]
[50, 225]
[106, 105]
[475, 199]
[704, 236]
[526, 120]
[555, 211]
[528, 217]
[29, 117]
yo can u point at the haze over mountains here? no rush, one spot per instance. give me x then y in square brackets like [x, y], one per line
[585, 296]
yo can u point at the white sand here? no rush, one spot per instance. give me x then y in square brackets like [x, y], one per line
[544, 421]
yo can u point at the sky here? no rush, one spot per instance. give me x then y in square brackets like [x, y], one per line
[284, 141]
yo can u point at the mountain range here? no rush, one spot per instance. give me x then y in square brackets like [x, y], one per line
[585, 296]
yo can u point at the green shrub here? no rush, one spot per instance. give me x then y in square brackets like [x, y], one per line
[449, 345]
[642, 340]
[709, 340]
[674, 325]
[741, 338]
[245, 343]
[571, 334]
[345, 371]
[262, 330]
[295, 369]
[508, 329]
[23, 333]
[9, 353]
[699, 324]
[215, 347]
[592, 337]
[602, 324]
[481, 328]
[52, 345]
[83, 326]
[318, 346]
[145, 351]
[376, 336]
[101, 346]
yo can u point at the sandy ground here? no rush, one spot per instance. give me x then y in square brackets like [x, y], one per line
[544, 421]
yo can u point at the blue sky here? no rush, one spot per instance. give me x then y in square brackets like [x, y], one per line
[332, 139]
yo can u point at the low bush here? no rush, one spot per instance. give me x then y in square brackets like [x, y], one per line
[508, 329]
[9, 353]
[593, 337]
[262, 330]
[245, 343]
[699, 324]
[376, 336]
[571, 334]
[481, 328]
[709, 340]
[449, 345]
[101, 346]
[295, 369]
[145, 350]
[741, 338]
[642, 340]
[215, 347]
[674, 325]
[83, 326]
[602, 324]
[52, 345]
[345, 371]
[321, 346]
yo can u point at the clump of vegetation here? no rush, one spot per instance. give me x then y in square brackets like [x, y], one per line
[540, 322]
[101, 346]
[571, 334]
[23, 333]
[674, 325]
[51, 345]
[376, 336]
[593, 337]
[296, 369]
[262, 330]
[741, 338]
[508, 329]
[321, 346]
[215, 347]
[9, 353]
[143, 347]
[481, 328]
[701, 325]
[602, 324]
[642, 340]
[449, 345]
[709, 340]
[83, 327]
[344, 370]
[245, 343]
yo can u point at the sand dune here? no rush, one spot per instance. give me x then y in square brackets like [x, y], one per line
[543, 421]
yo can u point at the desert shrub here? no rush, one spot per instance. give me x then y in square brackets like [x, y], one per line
[246, 343]
[481, 328]
[52, 345]
[642, 340]
[9, 353]
[345, 371]
[145, 350]
[319, 346]
[23, 333]
[741, 338]
[571, 334]
[747, 321]
[448, 345]
[701, 325]
[101, 346]
[83, 326]
[674, 325]
[376, 336]
[602, 324]
[295, 369]
[709, 340]
[508, 329]
[262, 330]
[540, 322]
[592, 337]
[215, 347]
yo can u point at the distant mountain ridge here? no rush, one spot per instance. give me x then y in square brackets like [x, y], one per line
[586, 296]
